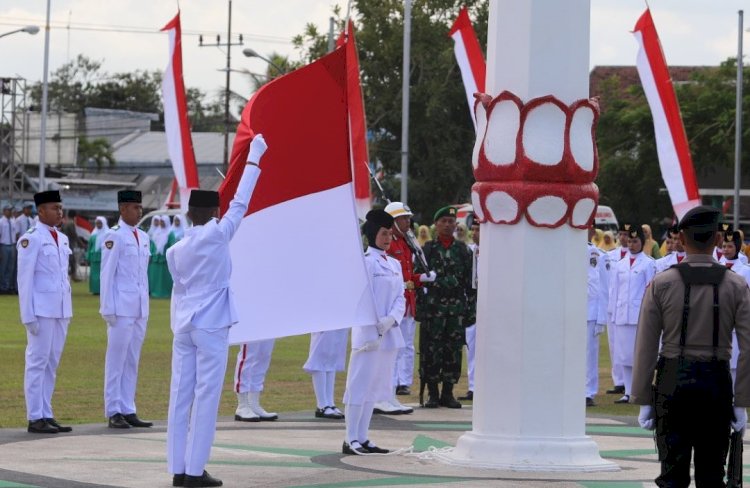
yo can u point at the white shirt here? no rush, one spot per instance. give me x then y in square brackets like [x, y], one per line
[43, 286]
[124, 272]
[669, 260]
[7, 230]
[201, 266]
[23, 223]
[628, 287]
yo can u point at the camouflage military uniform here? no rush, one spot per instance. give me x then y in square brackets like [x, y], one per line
[444, 311]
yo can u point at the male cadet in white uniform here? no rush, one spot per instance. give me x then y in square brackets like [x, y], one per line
[124, 306]
[46, 309]
[676, 256]
[598, 293]
[613, 257]
[7, 250]
[471, 331]
[731, 259]
[202, 312]
[253, 360]
[632, 276]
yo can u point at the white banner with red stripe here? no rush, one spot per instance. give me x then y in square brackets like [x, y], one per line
[671, 142]
[469, 58]
[176, 123]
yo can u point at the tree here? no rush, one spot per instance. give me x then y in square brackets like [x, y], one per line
[96, 151]
[441, 133]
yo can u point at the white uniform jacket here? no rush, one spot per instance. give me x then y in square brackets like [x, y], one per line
[201, 266]
[669, 260]
[388, 288]
[628, 286]
[43, 286]
[598, 289]
[718, 255]
[124, 272]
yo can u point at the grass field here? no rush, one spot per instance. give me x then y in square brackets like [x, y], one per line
[79, 393]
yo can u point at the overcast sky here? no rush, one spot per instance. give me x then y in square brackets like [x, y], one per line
[125, 33]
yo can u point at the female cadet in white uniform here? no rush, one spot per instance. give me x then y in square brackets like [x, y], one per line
[46, 309]
[611, 258]
[374, 347]
[598, 293]
[674, 257]
[731, 259]
[202, 311]
[632, 276]
[327, 356]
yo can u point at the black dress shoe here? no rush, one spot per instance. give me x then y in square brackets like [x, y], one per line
[178, 480]
[203, 480]
[623, 399]
[40, 426]
[403, 390]
[60, 428]
[134, 421]
[590, 402]
[373, 449]
[328, 413]
[117, 421]
[469, 396]
[353, 448]
[617, 390]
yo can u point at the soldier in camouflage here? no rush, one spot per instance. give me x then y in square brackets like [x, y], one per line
[444, 311]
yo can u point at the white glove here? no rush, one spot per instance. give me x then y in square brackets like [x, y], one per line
[258, 147]
[740, 419]
[428, 277]
[370, 346]
[385, 324]
[110, 319]
[647, 417]
[598, 329]
[32, 327]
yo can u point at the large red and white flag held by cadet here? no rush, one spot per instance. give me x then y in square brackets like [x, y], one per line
[297, 258]
[469, 58]
[671, 142]
[176, 123]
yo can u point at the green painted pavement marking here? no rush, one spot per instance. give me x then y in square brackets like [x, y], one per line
[276, 450]
[437, 426]
[625, 453]
[11, 484]
[618, 429]
[279, 464]
[396, 481]
[611, 484]
[423, 443]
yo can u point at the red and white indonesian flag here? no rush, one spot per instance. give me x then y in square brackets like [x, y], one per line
[469, 58]
[176, 123]
[83, 228]
[297, 258]
[671, 142]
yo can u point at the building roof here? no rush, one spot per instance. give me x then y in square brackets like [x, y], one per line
[150, 149]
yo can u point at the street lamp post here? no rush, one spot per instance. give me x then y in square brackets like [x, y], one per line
[45, 89]
[30, 29]
[252, 53]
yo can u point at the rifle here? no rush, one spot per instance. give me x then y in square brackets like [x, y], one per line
[409, 236]
[734, 466]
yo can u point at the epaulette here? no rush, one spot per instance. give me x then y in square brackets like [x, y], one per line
[31, 230]
[115, 227]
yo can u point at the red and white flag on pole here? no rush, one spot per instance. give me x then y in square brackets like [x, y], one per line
[297, 258]
[176, 123]
[357, 123]
[671, 142]
[469, 57]
[83, 228]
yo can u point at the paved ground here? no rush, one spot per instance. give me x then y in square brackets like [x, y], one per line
[301, 451]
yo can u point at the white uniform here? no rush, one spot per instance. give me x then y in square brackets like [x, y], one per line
[669, 260]
[202, 311]
[7, 253]
[743, 270]
[124, 305]
[598, 294]
[44, 297]
[24, 223]
[471, 331]
[611, 259]
[253, 360]
[370, 374]
[626, 294]
[718, 255]
[327, 356]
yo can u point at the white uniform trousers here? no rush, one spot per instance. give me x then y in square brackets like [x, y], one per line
[199, 362]
[404, 372]
[617, 378]
[43, 353]
[471, 351]
[592, 359]
[124, 341]
[253, 360]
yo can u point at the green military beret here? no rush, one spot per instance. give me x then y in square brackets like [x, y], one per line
[445, 211]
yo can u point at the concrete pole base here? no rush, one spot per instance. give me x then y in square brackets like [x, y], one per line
[561, 454]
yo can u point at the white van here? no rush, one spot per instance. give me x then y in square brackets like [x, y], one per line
[605, 219]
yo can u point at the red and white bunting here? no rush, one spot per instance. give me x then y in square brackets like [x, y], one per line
[671, 142]
[469, 57]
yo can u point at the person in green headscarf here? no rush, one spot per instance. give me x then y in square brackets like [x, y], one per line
[160, 281]
[94, 253]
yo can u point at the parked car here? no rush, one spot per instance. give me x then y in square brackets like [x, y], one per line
[145, 222]
[605, 219]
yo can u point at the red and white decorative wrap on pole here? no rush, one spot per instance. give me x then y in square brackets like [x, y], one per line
[176, 123]
[671, 142]
[469, 57]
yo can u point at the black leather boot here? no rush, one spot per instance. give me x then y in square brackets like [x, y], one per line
[447, 399]
[433, 396]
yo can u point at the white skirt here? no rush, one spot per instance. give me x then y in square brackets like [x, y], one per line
[370, 376]
[625, 337]
[327, 351]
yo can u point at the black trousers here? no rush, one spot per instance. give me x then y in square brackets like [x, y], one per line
[693, 402]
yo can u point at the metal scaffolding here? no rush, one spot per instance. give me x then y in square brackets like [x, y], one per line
[13, 127]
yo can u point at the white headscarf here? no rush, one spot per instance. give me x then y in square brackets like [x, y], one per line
[153, 229]
[162, 237]
[178, 230]
[97, 230]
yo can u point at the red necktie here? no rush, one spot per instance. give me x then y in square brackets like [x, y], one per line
[680, 258]
[622, 253]
[135, 233]
[54, 236]
[729, 265]
[632, 260]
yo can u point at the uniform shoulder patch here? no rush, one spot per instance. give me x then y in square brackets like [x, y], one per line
[109, 244]
[24, 243]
